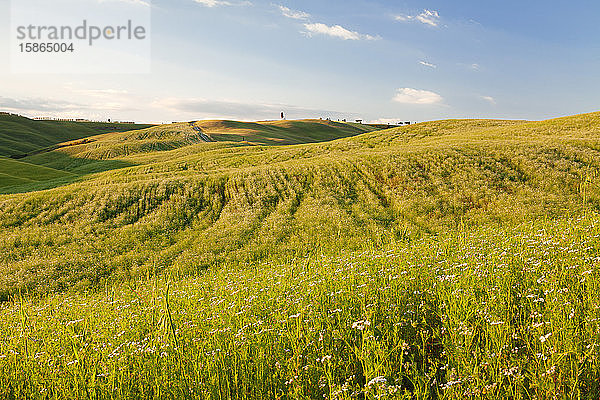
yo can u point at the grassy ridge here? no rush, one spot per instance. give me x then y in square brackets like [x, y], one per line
[20, 135]
[116, 150]
[15, 172]
[281, 132]
[477, 313]
[243, 204]
[133, 146]
[451, 259]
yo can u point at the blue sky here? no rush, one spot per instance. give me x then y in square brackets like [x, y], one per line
[374, 60]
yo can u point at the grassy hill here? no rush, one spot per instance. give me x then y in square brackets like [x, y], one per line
[281, 132]
[16, 173]
[425, 261]
[116, 150]
[73, 155]
[20, 135]
[210, 203]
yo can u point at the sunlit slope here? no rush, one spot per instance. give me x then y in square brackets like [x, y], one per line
[106, 151]
[14, 172]
[189, 209]
[280, 132]
[20, 135]
[130, 148]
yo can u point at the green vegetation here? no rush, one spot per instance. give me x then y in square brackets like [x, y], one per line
[281, 132]
[15, 172]
[108, 151]
[442, 260]
[20, 135]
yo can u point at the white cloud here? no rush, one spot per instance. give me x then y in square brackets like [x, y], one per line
[489, 99]
[135, 2]
[388, 121]
[427, 17]
[218, 109]
[301, 15]
[403, 18]
[416, 96]
[102, 93]
[213, 3]
[336, 31]
[217, 3]
[475, 67]
[426, 64]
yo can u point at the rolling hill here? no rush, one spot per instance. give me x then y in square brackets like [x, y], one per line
[447, 259]
[16, 173]
[117, 150]
[209, 203]
[20, 136]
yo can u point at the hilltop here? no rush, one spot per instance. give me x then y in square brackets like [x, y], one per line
[20, 136]
[113, 150]
[204, 204]
[447, 259]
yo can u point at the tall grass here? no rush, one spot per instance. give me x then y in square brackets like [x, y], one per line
[479, 314]
[446, 260]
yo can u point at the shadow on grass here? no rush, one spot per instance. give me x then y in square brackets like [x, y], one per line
[77, 168]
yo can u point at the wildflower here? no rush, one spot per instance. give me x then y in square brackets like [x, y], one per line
[361, 325]
[449, 384]
[551, 370]
[325, 358]
[543, 338]
[380, 380]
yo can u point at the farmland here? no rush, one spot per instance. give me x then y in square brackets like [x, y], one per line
[446, 259]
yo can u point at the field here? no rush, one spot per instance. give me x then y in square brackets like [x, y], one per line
[20, 136]
[447, 259]
[85, 153]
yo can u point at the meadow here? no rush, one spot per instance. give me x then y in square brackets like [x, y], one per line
[443, 260]
[20, 136]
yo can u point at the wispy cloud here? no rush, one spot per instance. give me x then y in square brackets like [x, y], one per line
[195, 108]
[143, 3]
[35, 105]
[218, 3]
[416, 96]
[427, 17]
[336, 31]
[293, 14]
[59, 108]
[388, 121]
[101, 92]
[489, 99]
[426, 64]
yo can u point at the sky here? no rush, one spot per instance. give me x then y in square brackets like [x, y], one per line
[379, 61]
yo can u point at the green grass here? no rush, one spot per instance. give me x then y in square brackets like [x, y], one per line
[206, 205]
[20, 135]
[479, 313]
[115, 150]
[133, 146]
[447, 259]
[15, 173]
